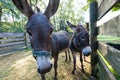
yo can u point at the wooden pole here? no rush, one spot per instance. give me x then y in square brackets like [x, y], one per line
[25, 38]
[93, 32]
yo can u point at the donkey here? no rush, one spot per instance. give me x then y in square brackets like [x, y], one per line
[79, 43]
[44, 43]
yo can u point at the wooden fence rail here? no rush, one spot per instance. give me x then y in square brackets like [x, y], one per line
[8, 41]
[111, 54]
[111, 27]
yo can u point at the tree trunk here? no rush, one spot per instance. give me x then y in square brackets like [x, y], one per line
[0, 18]
[0, 14]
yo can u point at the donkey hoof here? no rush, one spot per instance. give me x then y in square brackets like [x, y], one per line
[55, 78]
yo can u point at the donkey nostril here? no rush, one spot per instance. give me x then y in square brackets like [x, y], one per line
[39, 70]
[51, 65]
[45, 70]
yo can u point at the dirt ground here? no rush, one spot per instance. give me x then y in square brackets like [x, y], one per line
[22, 66]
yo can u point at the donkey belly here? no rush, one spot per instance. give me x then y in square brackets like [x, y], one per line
[60, 41]
[63, 42]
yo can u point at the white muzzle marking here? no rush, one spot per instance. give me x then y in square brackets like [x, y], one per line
[43, 62]
[87, 50]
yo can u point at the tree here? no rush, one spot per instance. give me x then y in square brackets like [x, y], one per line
[116, 7]
[68, 10]
[7, 5]
[10, 18]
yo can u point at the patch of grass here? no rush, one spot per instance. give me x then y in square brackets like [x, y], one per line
[102, 37]
[108, 39]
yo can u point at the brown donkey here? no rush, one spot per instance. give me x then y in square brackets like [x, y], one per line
[79, 43]
[44, 43]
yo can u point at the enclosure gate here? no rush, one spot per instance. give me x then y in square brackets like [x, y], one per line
[98, 67]
[13, 41]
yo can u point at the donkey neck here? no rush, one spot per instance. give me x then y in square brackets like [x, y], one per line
[73, 47]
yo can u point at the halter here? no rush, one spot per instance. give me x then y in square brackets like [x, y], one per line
[41, 53]
[76, 45]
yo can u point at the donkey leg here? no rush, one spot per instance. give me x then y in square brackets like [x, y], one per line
[66, 58]
[69, 55]
[55, 67]
[81, 60]
[43, 76]
[84, 58]
[74, 62]
[34, 57]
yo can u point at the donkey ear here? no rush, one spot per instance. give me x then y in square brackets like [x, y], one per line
[73, 27]
[52, 8]
[24, 7]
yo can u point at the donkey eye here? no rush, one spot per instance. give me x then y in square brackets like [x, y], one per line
[82, 37]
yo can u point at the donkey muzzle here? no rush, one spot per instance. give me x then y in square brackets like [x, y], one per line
[87, 51]
[43, 59]
[45, 70]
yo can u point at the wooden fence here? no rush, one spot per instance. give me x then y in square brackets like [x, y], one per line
[12, 41]
[105, 60]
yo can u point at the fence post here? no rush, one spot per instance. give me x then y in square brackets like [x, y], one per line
[25, 38]
[93, 37]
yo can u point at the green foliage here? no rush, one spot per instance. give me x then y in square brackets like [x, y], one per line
[8, 6]
[13, 20]
[91, 0]
[68, 11]
[85, 7]
[12, 27]
[116, 7]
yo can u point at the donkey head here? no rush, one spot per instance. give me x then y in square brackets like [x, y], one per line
[80, 38]
[39, 29]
